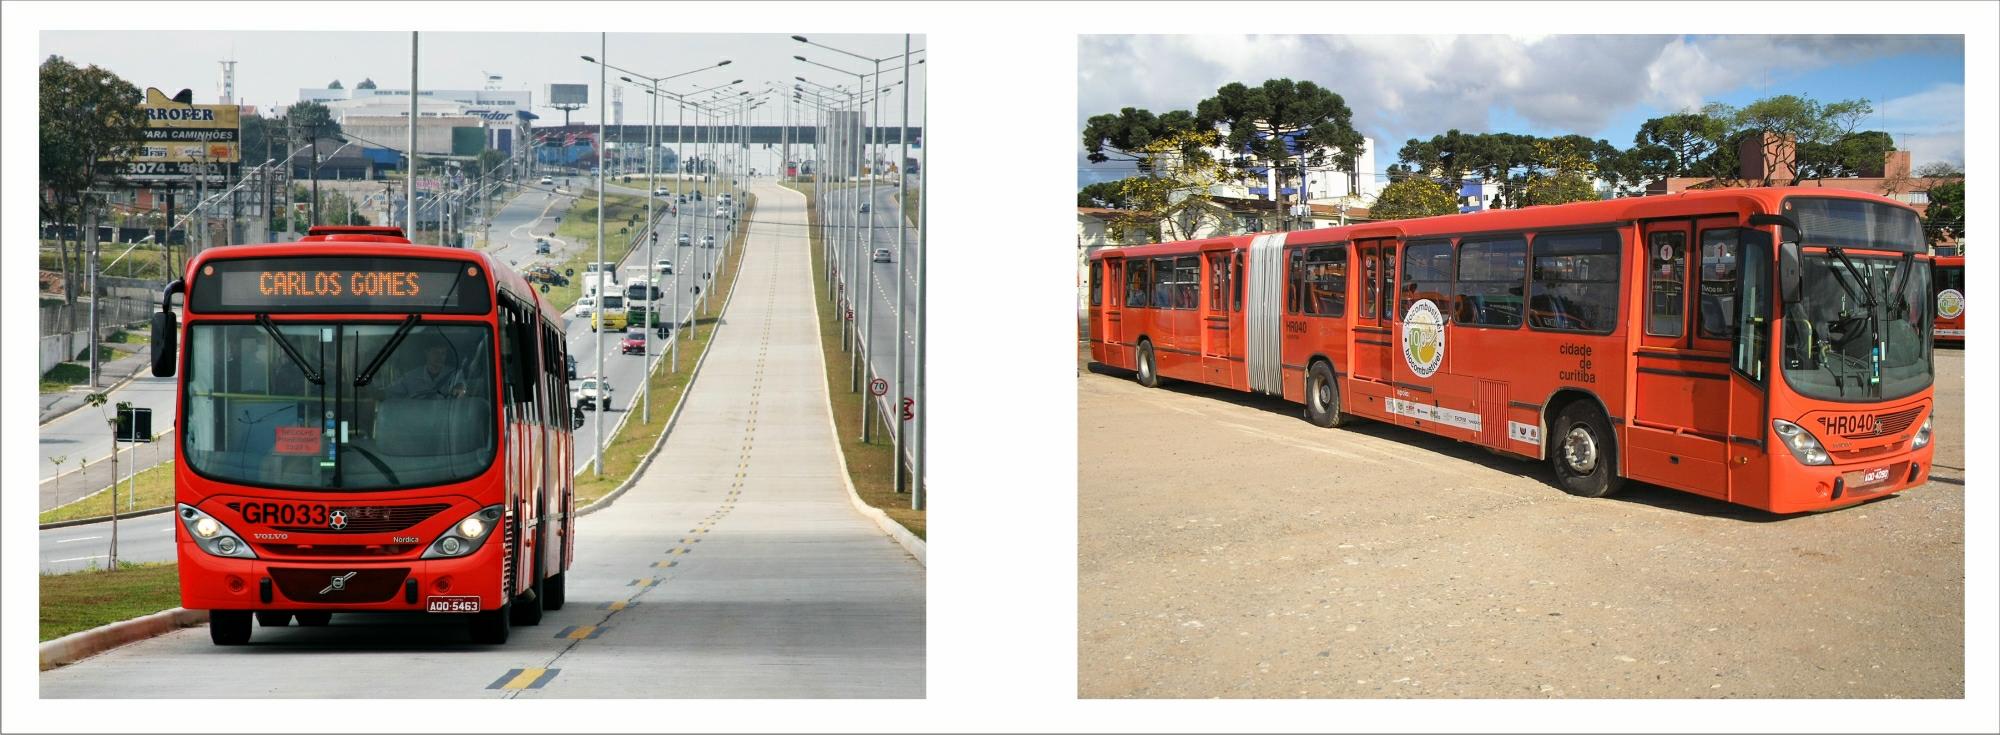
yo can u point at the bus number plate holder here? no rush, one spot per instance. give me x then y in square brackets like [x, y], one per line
[452, 604]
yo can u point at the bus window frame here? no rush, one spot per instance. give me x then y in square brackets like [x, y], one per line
[1617, 230]
[1457, 270]
[1403, 282]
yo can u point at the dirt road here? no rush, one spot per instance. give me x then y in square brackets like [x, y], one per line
[1230, 549]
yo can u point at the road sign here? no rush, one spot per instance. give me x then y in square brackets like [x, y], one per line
[909, 408]
[850, 315]
[879, 387]
[135, 425]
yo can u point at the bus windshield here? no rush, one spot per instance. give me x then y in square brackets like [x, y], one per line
[253, 417]
[1853, 336]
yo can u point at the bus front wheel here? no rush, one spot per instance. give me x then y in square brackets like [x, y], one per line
[1323, 396]
[1583, 452]
[1149, 371]
[229, 627]
[491, 626]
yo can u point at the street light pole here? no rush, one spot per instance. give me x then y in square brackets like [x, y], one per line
[409, 177]
[902, 339]
[597, 441]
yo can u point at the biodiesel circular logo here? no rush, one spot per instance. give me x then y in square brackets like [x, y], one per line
[1423, 338]
[1951, 303]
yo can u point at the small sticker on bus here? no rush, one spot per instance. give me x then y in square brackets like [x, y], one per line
[296, 440]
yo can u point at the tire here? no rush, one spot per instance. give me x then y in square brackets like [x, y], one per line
[1149, 370]
[527, 609]
[229, 627]
[555, 591]
[1583, 452]
[314, 619]
[273, 618]
[490, 627]
[1323, 396]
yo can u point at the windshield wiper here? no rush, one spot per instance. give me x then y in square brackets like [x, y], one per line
[382, 355]
[1866, 295]
[1901, 305]
[264, 320]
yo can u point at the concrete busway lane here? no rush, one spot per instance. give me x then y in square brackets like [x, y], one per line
[1374, 561]
[739, 566]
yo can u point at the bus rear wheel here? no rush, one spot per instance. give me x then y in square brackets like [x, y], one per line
[554, 591]
[1323, 396]
[1583, 453]
[229, 627]
[1149, 371]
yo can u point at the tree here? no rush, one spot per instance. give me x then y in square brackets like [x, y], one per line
[1944, 217]
[1562, 173]
[87, 114]
[1176, 194]
[1854, 154]
[1413, 197]
[1681, 145]
[1283, 119]
[1125, 134]
[1790, 125]
[1103, 194]
[1939, 170]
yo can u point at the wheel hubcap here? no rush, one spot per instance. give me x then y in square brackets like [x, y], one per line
[1322, 395]
[1580, 450]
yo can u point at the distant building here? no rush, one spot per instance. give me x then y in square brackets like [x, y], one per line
[1323, 184]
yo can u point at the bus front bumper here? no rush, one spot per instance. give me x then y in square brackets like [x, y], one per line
[462, 585]
[1822, 487]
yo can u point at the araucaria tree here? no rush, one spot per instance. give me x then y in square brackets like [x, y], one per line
[1280, 121]
[88, 115]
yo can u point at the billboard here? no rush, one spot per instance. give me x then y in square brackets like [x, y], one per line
[568, 94]
[181, 142]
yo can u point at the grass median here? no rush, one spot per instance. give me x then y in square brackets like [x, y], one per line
[579, 225]
[628, 446]
[868, 463]
[156, 489]
[79, 601]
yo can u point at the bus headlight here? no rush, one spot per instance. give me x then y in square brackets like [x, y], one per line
[465, 536]
[212, 536]
[1923, 438]
[1804, 447]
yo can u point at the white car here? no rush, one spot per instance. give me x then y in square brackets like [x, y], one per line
[590, 393]
[548, 180]
[586, 303]
[665, 267]
[660, 191]
[882, 255]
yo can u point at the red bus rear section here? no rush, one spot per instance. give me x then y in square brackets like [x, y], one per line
[1948, 281]
[367, 425]
[1690, 341]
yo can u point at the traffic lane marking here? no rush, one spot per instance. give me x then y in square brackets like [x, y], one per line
[83, 538]
[582, 632]
[530, 678]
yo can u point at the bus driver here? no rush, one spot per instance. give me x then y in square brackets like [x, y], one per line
[437, 379]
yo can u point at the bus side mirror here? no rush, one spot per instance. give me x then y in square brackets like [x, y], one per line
[166, 332]
[1790, 269]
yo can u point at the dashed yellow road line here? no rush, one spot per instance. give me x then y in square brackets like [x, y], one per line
[524, 679]
[581, 632]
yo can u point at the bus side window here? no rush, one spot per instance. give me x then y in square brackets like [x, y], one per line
[1187, 282]
[1295, 280]
[1491, 276]
[1218, 281]
[1236, 280]
[1575, 285]
[1096, 283]
[1325, 281]
[1718, 283]
[1426, 274]
[1135, 282]
[1163, 283]
[1666, 311]
[1368, 260]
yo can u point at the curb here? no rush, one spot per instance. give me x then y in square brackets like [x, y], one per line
[902, 536]
[100, 519]
[83, 644]
[675, 417]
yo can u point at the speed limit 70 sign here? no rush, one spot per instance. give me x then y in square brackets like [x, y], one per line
[879, 387]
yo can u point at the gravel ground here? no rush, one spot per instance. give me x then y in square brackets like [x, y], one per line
[1227, 548]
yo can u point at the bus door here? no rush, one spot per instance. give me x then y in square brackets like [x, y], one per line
[1215, 351]
[1681, 382]
[1111, 313]
[1374, 347]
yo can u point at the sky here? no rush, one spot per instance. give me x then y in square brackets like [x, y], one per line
[272, 66]
[1603, 86]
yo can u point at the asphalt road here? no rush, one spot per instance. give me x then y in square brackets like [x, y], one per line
[1227, 548]
[743, 570]
[882, 277]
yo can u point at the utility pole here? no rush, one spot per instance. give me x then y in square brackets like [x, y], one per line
[410, 176]
[902, 444]
[597, 441]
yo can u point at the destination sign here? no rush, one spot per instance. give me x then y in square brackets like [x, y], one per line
[339, 285]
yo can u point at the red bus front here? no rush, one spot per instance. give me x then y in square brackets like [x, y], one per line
[343, 444]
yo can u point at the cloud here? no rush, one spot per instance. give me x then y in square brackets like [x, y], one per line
[1930, 124]
[1409, 86]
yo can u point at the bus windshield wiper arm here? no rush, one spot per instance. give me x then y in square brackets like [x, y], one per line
[270, 328]
[395, 340]
[1866, 295]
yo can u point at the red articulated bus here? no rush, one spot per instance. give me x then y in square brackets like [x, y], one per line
[367, 425]
[1948, 281]
[1767, 347]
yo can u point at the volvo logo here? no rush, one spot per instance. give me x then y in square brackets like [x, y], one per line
[337, 520]
[339, 583]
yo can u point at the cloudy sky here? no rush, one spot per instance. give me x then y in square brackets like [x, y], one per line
[272, 66]
[1603, 86]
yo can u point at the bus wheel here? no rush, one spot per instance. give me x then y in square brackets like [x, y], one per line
[528, 607]
[1583, 453]
[273, 618]
[1322, 396]
[314, 619]
[491, 626]
[554, 591]
[1149, 374]
[229, 627]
